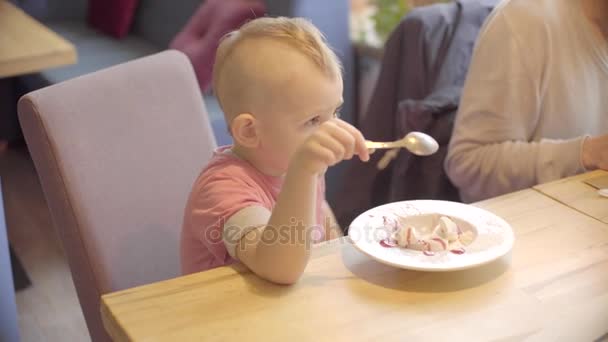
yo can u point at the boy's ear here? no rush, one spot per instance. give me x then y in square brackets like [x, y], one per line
[245, 131]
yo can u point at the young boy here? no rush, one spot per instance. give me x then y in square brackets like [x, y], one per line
[261, 201]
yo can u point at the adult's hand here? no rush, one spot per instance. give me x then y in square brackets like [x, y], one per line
[595, 152]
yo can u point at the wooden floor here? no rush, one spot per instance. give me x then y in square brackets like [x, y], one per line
[49, 309]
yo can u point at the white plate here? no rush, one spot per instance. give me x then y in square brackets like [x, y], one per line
[493, 236]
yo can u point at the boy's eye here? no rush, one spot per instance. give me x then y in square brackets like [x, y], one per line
[314, 121]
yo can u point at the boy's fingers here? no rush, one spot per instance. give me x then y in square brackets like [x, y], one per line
[359, 139]
[329, 142]
[345, 138]
[323, 153]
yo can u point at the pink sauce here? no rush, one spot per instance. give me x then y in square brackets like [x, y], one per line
[388, 243]
[441, 242]
[428, 251]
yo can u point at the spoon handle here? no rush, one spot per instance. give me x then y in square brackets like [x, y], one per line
[381, 145]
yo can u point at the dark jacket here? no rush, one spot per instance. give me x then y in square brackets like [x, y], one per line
[423, 70]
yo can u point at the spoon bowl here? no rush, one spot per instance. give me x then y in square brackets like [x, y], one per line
[418, 143]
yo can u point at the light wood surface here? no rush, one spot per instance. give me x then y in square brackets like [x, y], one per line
[27, 46]
[553, 286]
[577, 194]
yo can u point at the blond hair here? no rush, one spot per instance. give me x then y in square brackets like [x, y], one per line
[298, 33]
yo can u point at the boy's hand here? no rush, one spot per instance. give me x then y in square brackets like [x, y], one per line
[335, 140]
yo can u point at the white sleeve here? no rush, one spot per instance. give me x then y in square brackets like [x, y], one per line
[491, 151]
[241, 223]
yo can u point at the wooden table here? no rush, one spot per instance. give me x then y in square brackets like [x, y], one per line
[553, 286]
[577, 194]
[27, 46]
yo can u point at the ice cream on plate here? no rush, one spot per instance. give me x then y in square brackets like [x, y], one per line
[444, 236]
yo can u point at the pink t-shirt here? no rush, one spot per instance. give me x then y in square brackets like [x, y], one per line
[226, 186]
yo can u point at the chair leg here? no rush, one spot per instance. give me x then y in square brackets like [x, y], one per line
[20, 278]
[9, 124]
